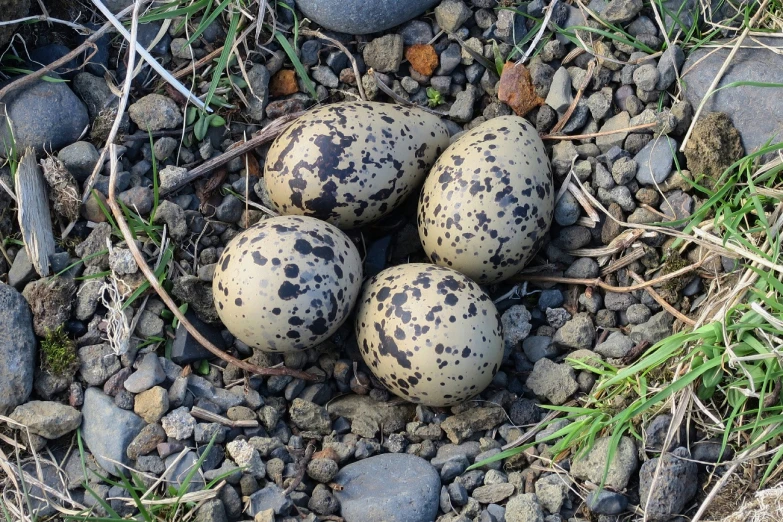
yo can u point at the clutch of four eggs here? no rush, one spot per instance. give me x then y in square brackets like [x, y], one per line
[427, 331]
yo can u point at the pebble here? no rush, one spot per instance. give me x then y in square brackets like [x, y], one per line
[97, 363]
[592, 465]
[560, 96]
[258, 95]
[577, 333]
[179, 424]
[45, 116]
[676, 484]
[554, 382]
[451, 14]
[155, 112]
[656, 329]
[50, 420]
[510, 26]
[616, 346]
[107, 430]
[605, 502]
[567, 210]
[539, 346]
[583, 268]
[524, 508]
[384, 54]
[80, 159]
[450, 58]
[324, 75]
[389, 487]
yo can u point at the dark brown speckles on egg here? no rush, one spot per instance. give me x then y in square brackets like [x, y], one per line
[292, 289]
[350, 163]
[409, 335]
[488, 201]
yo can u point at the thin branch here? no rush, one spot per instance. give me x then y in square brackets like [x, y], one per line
[661, 301]
[266, 134]
[597, 134]
[44, 18]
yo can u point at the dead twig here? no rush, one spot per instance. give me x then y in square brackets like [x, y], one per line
[552, 136]
[201, 413]
[661, 301]
[268, 133]
[35, 221]
[302, 468]
[610, 288]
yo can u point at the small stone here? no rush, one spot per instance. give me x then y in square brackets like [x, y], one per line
[605, 502]
[384, 54]
[616, 346]
[669, 65]
[423, 60]
[510, 26]
[621, 11]
[416, 32]
[258, 92]
[451, 14]
[324, 75]
[50, 420]
[516, 326]
[638, 314]
[179, 424]
[583, 268]
[656, 329]
[80, 159]
[567, 210]
[284, 81]
[560, 96]
[552, 492]
[146, 441]
[155, 112]
[646, 77]
[322, 470]
[149, 374]
[524, 508]
[537, 347]
[676, 483]
[616, 139]
[555, 382]
[577, 333]
[310, 417]
[463, 425]
[655, 161]
[108, 430]
[247, 457]
[462, 108]
[592, 465]
[97, 363]
[493, 493]
[152, 404]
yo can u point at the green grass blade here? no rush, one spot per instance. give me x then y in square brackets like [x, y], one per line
[300, 70]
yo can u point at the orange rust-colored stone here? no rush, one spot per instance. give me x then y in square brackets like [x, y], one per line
[422, 58]
[327, 453]
[283, 83]
[516, 89]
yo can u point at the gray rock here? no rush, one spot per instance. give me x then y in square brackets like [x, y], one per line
[657, 328]
[230, 209]
[416, 32]
[493, 493]
[149, 374]
[97, 363]
[462, 108]
[179, 472]
[95, 93]
[174, 217]
[560, 96]
[164, 147]
[258, 92]
[624, 170]
[451, 14]
[510, 26]
[80, 159]
[621, 11]
[211, 511]
[94, 243]
[108, 430]
[655, 161]
[179, 424]
[555, 382]
[616, 346]
[393, 487]
[155, 112]
[171, 176]
[567, 210]
[322, 501]
[605, 502]
[577, 333]
[384, 54]
[669, 65]
[592, 465]
[22, 270]
[324, 75]
[45, 115]
[271, 497]
[756, 122]
[310, 417]
[524, 508]
[619, 121]
[47, 419]
[516, 326]
[462, 426]
[583, 268]
[361, 17]
[552, 492]
[50, 300]
[539, 346]
[646, 77]
[676, 484]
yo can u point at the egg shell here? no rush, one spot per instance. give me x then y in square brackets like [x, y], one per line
[487, 204]
[351, 163]
[287, 283]
[429, 334]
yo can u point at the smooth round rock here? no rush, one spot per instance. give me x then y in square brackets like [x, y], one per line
[391, 487]
[361, 17]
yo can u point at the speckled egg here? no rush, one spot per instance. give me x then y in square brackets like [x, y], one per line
[487, 204]
[287, 283]
[351, 163]
[429, 333]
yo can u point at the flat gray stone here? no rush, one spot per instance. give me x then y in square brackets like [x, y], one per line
[108, 429]
[17, 349]
[391, 487]
[756, 112]
[360, 16]
[655, 161]
[560, 96]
